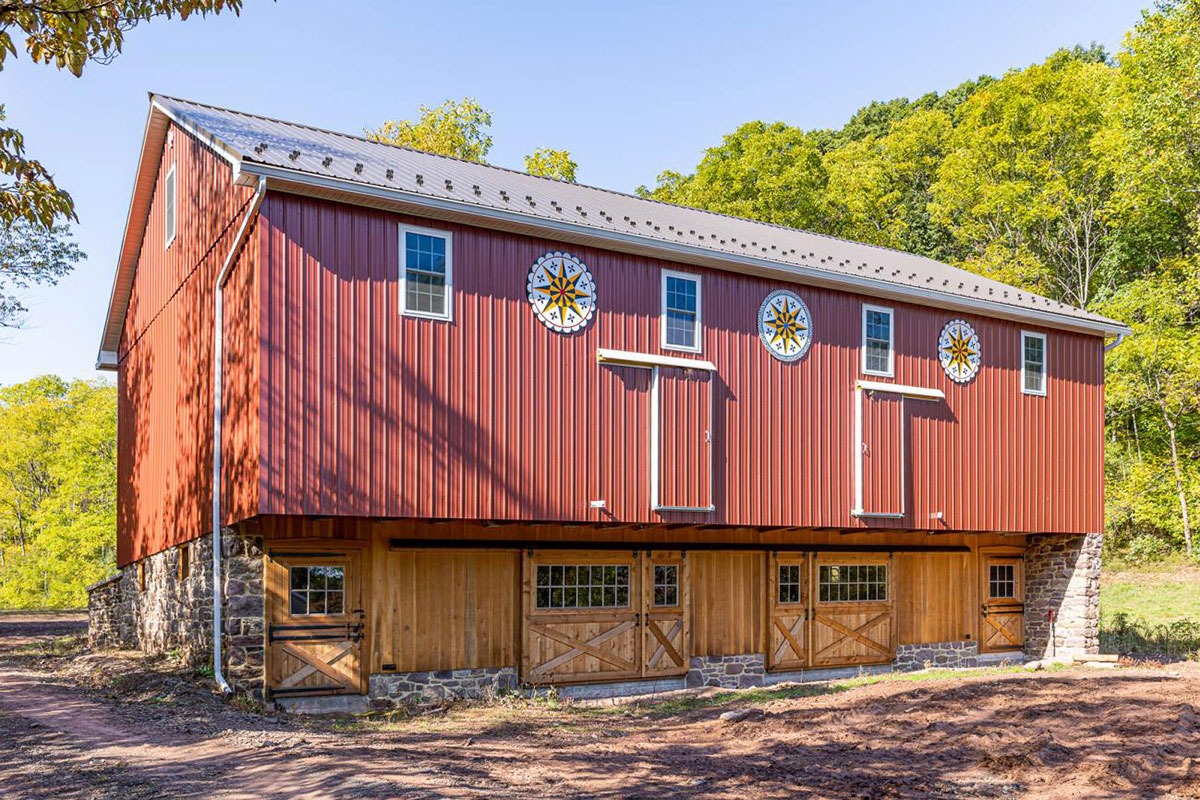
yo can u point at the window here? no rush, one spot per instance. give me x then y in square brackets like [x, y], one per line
[666, 585]
[169, 208]
[185, 561]
[317, 590]
[852, 583]
[1002, 581]
[426, 272]
[877, 341]
[789, 583]
[681, 311]
[583, 586]
[1033, 363]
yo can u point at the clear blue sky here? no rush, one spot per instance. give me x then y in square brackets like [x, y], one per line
[630, 88]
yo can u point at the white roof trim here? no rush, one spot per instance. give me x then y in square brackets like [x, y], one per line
[625, 358]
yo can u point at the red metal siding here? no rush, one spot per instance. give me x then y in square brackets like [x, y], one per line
[884, 476]
[164, 460]
[685, 425]
[365, 412]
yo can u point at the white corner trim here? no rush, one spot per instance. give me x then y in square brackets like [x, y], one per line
[625, 358]
[915, 392]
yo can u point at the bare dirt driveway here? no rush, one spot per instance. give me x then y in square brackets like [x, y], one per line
[74, 725]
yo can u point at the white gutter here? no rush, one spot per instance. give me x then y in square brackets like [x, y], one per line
[218, 338]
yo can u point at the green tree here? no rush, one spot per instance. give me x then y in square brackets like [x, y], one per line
[31, 254]
[67, 34]
[455, 128]
[57, 490]
[769, 172]
[1029, 176]
[551, 163]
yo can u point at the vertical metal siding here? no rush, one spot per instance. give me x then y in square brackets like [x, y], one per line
[365, 412]
[165, 371]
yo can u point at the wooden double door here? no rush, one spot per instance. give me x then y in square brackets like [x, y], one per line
[315, 620]
[604, 615]
[829, 609]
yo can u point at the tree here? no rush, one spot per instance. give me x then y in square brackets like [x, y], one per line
[1029, 176]
[455, 128]
[31, 254]
[68, 34]
[551, 163]
[57, 490]
[769, 172]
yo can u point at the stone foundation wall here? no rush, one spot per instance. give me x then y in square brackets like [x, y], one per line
[393, 689]
[1062, 574]
[727, 672]
[175, 615]
[949, 655]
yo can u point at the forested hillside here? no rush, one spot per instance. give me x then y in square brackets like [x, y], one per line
[1078, 178]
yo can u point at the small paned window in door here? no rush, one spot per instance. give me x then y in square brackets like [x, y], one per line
[681, 433]
[315, 591]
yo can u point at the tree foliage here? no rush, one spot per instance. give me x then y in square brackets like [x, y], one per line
[57, 491]
[457, 128]
[31, 254]
[550, 163]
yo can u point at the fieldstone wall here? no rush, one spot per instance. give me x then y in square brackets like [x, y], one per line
[949, 655]
[727, 672]
[1062, 574]
[394, 689]
[174, 615]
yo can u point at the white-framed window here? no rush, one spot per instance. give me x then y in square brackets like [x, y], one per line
[680, 311]
[169, 222]
[1033, 362]
[426, 272]
[878, 340]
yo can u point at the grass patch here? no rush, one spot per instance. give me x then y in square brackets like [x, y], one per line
[1152, 610]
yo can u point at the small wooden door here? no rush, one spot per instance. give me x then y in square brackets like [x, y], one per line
[787, 634]
[853, 610]
[1003, 593]
[581, 616]
[666, 615]
[315, 618]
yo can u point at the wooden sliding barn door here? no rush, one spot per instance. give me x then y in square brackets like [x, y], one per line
[315, 617]
[1003, 608]
[666, 614]
[853, 619]
[681, 433]
[788, 600]
[581, 616]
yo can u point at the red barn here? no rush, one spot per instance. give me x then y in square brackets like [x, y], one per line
[457, 427]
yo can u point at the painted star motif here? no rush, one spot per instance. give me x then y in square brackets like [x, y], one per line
[785, 326]
[960, 351]
[563, 294]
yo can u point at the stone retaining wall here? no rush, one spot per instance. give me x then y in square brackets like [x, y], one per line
[394, 689]
[727, 672]
[1062, 574]
[950, 655]
[169, 614]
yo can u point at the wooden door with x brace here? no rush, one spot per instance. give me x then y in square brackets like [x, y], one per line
[315, 619]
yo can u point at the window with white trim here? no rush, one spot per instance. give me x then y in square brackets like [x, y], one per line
[169, 208]
[1033, 363]
[852, 583]
[582, 586]
[878, 346]
[680, 311]
[426, 271]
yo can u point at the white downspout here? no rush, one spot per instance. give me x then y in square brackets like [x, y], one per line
[218, 338]
[1120, 338]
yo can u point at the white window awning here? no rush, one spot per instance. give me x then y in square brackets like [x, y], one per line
[625, 358]
[915, 392]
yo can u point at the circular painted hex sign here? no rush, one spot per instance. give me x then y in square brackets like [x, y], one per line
[562, 292]
[959, 351]
[784, 325]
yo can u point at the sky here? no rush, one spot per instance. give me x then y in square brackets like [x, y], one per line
[630, 88]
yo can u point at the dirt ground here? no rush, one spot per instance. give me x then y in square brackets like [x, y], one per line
[76, 725]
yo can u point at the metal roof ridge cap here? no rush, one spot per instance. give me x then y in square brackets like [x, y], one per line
[1050, 318]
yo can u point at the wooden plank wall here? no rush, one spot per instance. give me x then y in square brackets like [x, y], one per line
[937, 597]
[727, 598]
